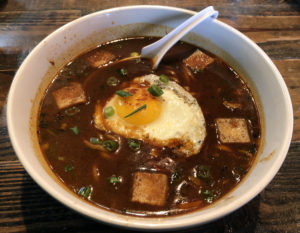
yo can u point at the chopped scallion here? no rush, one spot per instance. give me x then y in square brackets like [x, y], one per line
[110, 145]
[75, 130]
[203, 172]
[164, 78]
[135, 111]
[123, 93]
[123, 72]
[155, 90]
[85, 192]
[114, 179]
[134, 144]
[112, 81]
[95, 141]
[208, 196]
[69, 168]
[108, 111]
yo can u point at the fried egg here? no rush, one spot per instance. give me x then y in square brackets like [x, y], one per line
[173, 120]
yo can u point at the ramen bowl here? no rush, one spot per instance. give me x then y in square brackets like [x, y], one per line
[64, 44]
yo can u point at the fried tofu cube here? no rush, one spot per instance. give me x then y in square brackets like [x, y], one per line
[100, 58]
[69, 95]
[198, 60]
[150, 188]
[233, 130]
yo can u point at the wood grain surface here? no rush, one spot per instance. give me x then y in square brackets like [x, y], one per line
[273, 24]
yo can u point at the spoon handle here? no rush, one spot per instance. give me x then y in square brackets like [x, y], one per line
[158, 49]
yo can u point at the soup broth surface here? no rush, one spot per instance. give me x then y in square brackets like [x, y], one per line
[114, 171]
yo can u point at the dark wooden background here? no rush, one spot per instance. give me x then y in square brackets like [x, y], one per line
[273, 24]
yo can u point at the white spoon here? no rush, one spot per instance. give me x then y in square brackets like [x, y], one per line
[158, 49]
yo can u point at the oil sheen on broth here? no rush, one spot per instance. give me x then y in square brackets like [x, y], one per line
[142, 142]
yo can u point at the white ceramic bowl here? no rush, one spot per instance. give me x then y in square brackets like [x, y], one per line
[236, 49]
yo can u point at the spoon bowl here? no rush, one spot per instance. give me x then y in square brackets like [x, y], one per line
[157, 50]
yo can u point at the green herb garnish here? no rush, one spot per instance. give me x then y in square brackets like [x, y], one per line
[203, 172]
[112, 81]
[123, 72]
[114, 180]
[108, 111]
[164, 78]
[134, 144]
[208, 196]
[75, 130]
[123, 93]
[95, 141]
[155, 90]
[85, 192]
[69, 168]
[135, 111]
[110, 145]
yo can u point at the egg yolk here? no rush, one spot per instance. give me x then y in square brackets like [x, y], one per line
[140, 97]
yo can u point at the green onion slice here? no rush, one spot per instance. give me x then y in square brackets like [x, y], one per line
[112, 81]
[110, 145]
[86, 192]
[75, 130]
[69, 168]
[114, 179]
[137, 110]
[208, 196]
[108, 111]
[203, 172]
[164, 78]
[134, 144]
[123, 72]
[155, 90]
[123, 93]
[95, 141]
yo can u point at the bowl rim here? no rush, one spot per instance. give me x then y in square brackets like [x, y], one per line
[145, 223]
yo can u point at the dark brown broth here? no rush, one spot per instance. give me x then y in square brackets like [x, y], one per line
[212, 86]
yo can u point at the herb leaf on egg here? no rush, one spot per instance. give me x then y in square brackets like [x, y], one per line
[123, 93]
[137, 110]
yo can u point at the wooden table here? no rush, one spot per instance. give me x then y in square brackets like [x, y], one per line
[273, 24]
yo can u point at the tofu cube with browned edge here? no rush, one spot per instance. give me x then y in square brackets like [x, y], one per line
[100, 58]
[198, 60]
[69, 95]
[232, 130]
[149, 188]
